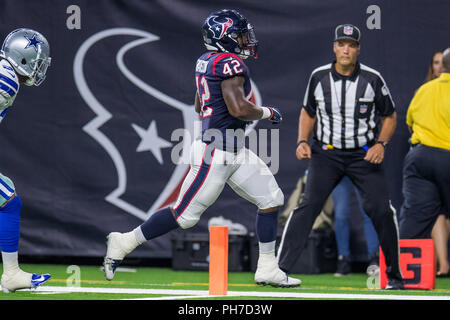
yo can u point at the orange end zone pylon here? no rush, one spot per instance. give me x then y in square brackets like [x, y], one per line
[417, 264]
[218, 260]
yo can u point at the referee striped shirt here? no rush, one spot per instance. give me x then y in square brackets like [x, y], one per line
[348, 108]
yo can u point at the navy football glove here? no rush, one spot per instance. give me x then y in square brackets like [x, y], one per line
[276, 116]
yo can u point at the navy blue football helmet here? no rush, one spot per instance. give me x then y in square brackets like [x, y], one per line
[229, 31]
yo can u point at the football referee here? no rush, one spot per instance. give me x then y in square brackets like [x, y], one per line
[352, 114]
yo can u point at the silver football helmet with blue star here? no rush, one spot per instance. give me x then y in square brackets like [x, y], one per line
[29, 53]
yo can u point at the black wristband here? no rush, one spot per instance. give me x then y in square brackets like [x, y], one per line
[383, 143]
[302, 141]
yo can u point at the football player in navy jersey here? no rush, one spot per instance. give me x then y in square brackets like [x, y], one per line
[220, 157]
[24, 58]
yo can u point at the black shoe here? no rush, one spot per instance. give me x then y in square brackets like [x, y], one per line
[343, 267]
[442, 275]
[395, 284]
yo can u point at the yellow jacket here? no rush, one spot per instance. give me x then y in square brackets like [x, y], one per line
[429, 113]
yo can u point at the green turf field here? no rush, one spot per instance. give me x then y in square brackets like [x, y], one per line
[145, 283]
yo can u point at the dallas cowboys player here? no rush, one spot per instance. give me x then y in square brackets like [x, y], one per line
[24, 59]
[223, 88]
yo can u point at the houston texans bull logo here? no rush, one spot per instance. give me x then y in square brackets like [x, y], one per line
[221, 27]
[149, 137]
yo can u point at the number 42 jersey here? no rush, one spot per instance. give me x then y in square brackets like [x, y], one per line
[211, 69]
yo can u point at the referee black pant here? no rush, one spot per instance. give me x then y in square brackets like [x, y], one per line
[326, 168]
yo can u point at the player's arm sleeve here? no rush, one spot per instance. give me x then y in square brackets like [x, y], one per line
[309, 100]
[384, 103]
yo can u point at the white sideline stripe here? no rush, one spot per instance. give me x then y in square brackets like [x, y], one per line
[121, 269]
[121, 290]
[205, 293]
[172, 297]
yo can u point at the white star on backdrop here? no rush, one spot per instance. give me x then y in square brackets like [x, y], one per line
[150, 141]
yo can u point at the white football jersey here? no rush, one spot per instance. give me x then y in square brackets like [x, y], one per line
[9, 86]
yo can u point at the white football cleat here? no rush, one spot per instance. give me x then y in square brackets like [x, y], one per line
[276, 278]
[22, 280]
[118, 246]
[110, 266]
[268, 273]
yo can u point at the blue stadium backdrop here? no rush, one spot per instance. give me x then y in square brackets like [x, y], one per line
[90, 150]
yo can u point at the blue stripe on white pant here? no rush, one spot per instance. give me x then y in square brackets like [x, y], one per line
[196, 184]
